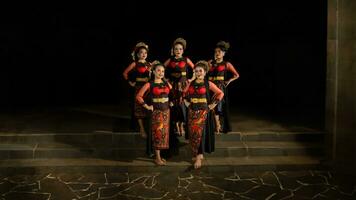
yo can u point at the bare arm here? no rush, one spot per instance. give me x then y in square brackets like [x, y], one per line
[167, 62]
[169, 85]
[141, 92]
[185, 95]
[218, 94]
[231, 68]
[185, 90]
[125, 74]
[190, 63]
[139, 96]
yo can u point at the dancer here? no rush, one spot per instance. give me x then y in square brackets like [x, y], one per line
[158, 104]
[137, 74]
[218, 74]
[177, 71]
[199, 103]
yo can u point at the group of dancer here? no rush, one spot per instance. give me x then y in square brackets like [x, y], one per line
[180, 98]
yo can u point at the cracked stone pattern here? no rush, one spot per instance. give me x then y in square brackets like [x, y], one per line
[268, 185]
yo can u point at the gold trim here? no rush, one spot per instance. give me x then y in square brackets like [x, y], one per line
[179, 74]
[160, 100]
[198, 100]
[141, 79]
[217, 78]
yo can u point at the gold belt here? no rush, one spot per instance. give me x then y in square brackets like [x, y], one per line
[216, 78]
[160, 100]
[198, 100]
[141, 79]
[178, 74]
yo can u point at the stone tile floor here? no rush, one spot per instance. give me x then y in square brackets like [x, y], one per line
[269, 185]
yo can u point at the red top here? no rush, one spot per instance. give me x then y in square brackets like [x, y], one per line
[200, 90]
[158, 91]
[229, 67]
[218, 94]
[181, 64]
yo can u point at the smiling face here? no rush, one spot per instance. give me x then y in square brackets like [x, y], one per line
[178, 50]
[199, 72]
[219, 54]
[159, 72]
[142, 54]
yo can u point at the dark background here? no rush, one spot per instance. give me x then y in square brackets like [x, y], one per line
[70, 55]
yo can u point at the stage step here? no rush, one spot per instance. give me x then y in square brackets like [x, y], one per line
[243, 151]
[133, 138]
[216, 164]
[222, 149]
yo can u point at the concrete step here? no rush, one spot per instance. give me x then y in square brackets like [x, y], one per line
[132, 138]
[223, 149]
[147, 165]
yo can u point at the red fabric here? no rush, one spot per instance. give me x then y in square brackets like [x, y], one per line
[180, 64]
[196, 124]
[157, 91]
[191, 90]
[172, 64]
[160, 129]
[200, 90]
[220, 68]
[141, 69]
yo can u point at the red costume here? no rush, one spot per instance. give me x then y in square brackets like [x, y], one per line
[198, 97]
[158, 98]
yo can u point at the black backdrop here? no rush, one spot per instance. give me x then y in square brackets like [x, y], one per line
[65, 55]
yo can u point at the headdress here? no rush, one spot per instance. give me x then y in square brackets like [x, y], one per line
[137, 48]
[202, 63]
[224, 46]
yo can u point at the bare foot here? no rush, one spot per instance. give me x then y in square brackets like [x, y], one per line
[197, 164]
[218, 129]
[143, 134]
[179, 133]
[182, 133]
[160, 162]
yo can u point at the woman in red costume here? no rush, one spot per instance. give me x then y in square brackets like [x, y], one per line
[177, 68]
[218, 74]
[158, 103]
[137, 74]
[199, 103]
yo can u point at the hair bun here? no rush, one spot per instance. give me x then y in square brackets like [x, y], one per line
[223, 45]
[181, 41]
[137, 47]
[202, 63]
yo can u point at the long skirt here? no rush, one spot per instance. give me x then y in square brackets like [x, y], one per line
[160, 129]
[220, 106]
[196, 127]
[139, 111]
[179, 110]
[222, 109]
